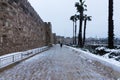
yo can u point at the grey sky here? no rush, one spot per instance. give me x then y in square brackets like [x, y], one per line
[58, 13]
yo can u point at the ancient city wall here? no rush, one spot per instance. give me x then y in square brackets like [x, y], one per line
[54, 38]
[21, 28]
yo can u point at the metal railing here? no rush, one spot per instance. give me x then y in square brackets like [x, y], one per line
[18, 56]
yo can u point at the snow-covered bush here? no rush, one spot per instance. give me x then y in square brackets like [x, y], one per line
[113, 54]
[118, 58]
[101, 50]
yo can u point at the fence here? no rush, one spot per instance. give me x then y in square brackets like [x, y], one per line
[18, 56]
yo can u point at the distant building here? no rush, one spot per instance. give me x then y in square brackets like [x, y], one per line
[68, 41]
[60, 39]
[64, 40]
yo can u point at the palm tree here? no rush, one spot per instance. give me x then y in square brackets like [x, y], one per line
[76, 18]
[80, 8]
[110, 26]
[72, 18]
[85, 22]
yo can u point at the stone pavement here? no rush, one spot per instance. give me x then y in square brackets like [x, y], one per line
[57, 64]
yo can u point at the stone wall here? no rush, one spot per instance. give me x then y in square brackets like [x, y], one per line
[21, 28]
[54, 39]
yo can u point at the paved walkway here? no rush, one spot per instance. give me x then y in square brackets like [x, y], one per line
[56, 64]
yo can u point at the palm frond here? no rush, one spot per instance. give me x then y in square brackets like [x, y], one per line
[89, 18]
[72, 18]
[85, 5]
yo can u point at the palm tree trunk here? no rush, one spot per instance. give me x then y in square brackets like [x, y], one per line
[110, 26]
[80, 31]
[84, 34]
[75, 32]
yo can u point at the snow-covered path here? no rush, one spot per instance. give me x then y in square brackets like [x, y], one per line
[57, 64]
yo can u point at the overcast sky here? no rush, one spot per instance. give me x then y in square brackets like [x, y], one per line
[58, 12]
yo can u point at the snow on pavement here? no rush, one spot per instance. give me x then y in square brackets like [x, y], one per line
[107, 62]
[58, 64]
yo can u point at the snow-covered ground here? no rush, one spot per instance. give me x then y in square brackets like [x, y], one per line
[11, 58]
[110, 53]
[64, 63]
[105, 60]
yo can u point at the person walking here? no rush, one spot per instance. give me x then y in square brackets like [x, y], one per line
[61, 45]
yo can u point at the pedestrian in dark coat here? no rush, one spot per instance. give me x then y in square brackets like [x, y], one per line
[61, 45]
